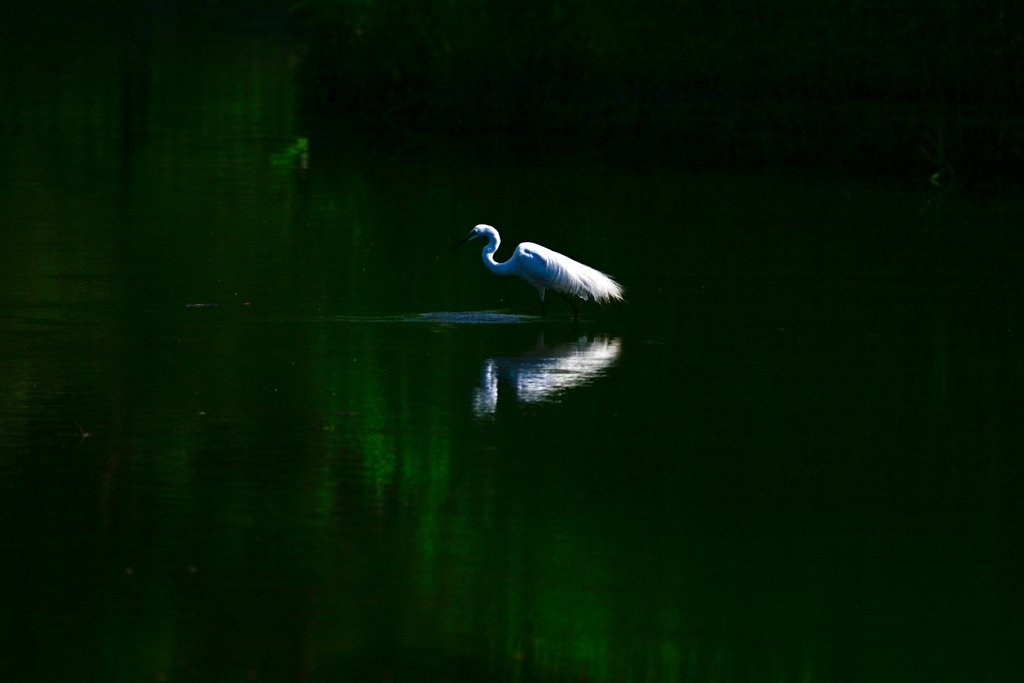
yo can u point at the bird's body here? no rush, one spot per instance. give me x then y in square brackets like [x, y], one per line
[546, 269]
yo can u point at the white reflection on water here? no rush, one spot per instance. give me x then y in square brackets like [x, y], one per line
[545, 372]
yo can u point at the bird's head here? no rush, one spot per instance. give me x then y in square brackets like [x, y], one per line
[479, 231]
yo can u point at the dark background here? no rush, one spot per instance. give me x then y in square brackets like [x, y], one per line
[911, 87]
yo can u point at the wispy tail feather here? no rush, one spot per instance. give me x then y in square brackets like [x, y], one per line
[586, 282]
[544, 268]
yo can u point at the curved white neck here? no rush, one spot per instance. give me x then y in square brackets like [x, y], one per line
[493, 242]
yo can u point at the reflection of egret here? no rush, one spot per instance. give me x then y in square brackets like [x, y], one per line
[546, 269]
[545, 373]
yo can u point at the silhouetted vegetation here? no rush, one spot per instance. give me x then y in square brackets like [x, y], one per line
[929, 86]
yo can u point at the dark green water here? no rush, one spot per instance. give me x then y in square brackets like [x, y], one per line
[257, 423]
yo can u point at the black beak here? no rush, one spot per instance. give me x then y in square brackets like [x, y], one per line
[462, 241]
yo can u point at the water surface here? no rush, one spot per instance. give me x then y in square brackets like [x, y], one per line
[259, 423]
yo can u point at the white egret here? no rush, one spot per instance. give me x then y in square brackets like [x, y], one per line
[546, 269]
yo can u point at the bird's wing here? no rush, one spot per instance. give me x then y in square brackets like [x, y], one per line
[544, 268]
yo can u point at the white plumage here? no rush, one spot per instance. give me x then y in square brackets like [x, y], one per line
[546, 269]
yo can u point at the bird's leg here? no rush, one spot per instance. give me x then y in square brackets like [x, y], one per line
[543, 306]
[575, 310]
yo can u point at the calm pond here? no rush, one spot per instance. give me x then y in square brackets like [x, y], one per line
[258, 423]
